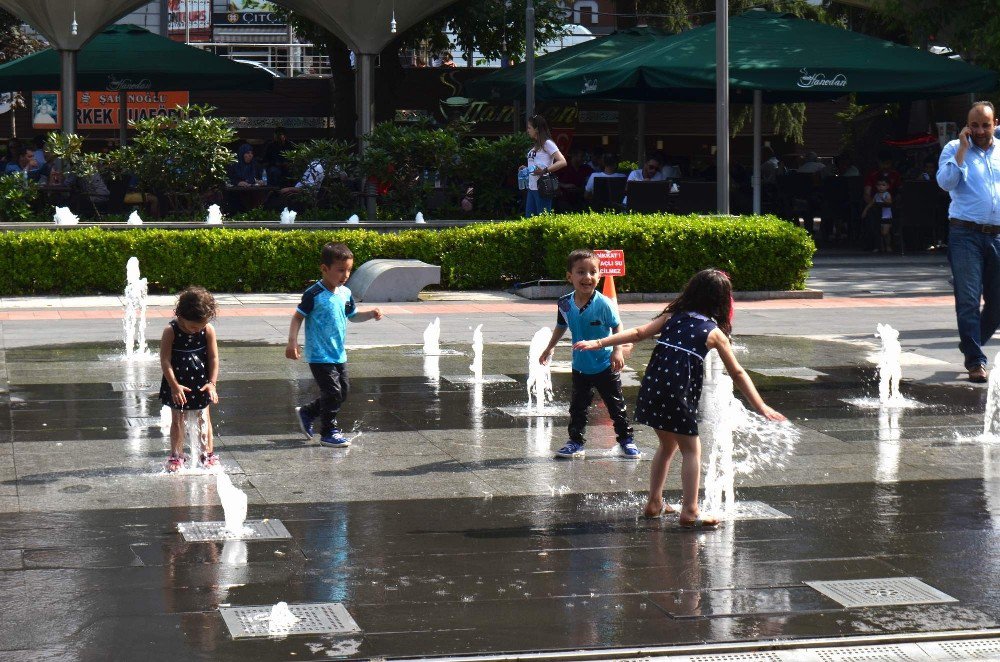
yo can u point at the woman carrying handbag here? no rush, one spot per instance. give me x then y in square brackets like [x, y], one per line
[544, 158]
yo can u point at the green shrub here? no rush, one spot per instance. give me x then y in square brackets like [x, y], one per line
[16, 196]
[661, 251]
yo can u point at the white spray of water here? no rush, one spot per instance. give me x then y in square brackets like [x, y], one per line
[134, 317]
[432, 337]
[991, 419]
[64, 216]
[234, 503]
[281, 619]
[166, 418]
[419, 218]
[477, 355]
[288, 216]
[742, 442]
[354, 220]
[133, 218]
[889, 369]
[539, 376]
[214, 215]
[197, 434]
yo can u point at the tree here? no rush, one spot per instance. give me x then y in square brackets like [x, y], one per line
[14, 43]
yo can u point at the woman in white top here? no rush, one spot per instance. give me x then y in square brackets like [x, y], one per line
[543, 157]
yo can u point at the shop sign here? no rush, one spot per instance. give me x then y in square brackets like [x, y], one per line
[99, 110]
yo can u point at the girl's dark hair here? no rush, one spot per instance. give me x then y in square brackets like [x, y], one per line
[541, 128]
[710, 293]
[196, 304]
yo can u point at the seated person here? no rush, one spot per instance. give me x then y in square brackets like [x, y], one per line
[25, 163]
[245, 171]
[668, 171]
[609, 169]
[650, 172]
[311, 180]
[91, 187]
[572, 180]
[811, 165]
[276, 158]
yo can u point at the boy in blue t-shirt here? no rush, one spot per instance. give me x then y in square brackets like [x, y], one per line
[326, 306]
[589, 315]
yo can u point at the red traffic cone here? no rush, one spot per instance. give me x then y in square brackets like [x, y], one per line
[608, 289]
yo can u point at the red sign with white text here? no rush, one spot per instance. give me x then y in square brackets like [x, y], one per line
[612, 262]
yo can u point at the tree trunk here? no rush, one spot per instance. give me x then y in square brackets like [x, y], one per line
[343, 92]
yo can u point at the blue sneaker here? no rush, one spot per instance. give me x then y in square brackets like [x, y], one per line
[305, 422]
[335, 439]
[571, 449]
[628, 449]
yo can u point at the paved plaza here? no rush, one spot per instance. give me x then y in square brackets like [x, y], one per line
[447, 528]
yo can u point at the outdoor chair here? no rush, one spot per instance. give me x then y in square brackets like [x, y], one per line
[920, 214]
[608, 193]
[648, 196]
[800, 197]
[696, 197]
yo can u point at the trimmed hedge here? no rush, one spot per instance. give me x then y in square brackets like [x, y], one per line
[662, 252]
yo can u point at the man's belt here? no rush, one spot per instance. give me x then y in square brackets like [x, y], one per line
[976, 227]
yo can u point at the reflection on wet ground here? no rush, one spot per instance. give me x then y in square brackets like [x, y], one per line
[447, 528]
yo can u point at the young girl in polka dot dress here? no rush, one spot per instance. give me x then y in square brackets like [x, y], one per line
[189, 357]
[700, 319]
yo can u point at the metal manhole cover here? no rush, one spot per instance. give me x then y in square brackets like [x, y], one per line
[880, 592]
[119, 387]
[268, 529]
[487, 379]
[793, 372]
[316, 618]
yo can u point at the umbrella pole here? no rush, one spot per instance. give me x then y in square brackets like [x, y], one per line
[68, 110]
[641, 138]
[722, 106]
[122, 118]
[529, 59]
[365, 101]
[758, 133]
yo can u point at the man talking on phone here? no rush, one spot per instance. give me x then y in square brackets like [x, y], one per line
[969, 169]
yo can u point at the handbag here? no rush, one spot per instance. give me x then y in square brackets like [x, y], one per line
[548, 184]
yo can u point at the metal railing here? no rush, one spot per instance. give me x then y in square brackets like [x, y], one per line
[287, 60]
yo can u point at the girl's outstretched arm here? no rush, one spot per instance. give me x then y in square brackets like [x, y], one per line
[213, 364]
[627, 336]
[718, 341]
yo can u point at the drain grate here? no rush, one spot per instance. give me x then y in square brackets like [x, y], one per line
[749, 510]
[903, 653]
[119, 387]
[487, 379]
[316, 618]
[267, 529]
[880, 592]
[763, 656]
[793, 372]
[142, 421]
[975, 649]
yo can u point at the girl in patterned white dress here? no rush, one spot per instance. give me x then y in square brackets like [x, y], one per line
[700, 319]
[189, 356]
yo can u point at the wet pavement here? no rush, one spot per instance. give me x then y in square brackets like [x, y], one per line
[448, 529]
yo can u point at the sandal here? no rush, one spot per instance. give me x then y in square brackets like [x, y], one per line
[209, 460]
[175, 462]
[666, 510]
[700, 522]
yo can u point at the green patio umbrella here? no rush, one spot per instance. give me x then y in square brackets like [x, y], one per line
[509, 82]
[133, 59]
[786, 58]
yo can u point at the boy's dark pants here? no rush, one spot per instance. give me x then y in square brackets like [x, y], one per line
[609, 386]
[333, 387]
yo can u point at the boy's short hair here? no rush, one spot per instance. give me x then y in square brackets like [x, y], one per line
[577, 255]
[882, 180]
[336, 252]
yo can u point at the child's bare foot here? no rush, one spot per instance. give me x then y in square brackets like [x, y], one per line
[697, 521]
[209, 460]
[657, 510]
